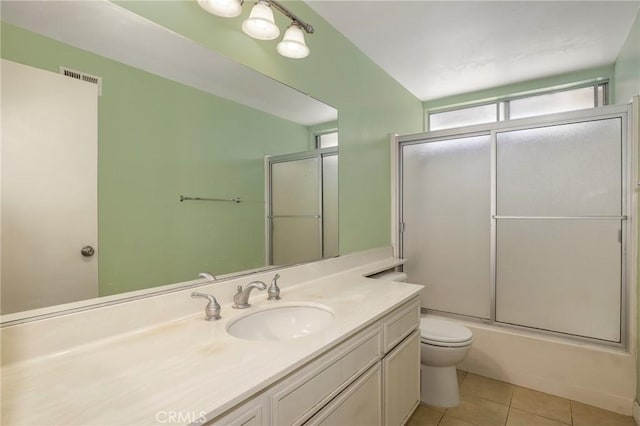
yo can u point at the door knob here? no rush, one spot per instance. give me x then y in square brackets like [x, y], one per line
[87, 251]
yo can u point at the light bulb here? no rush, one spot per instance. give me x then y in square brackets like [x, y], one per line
[292, 44]
[260, 23]
[224, 8]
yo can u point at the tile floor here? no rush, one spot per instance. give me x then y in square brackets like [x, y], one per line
[488, 402]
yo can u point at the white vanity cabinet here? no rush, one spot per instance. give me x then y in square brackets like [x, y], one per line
[401, 379]
[401, 364]
[359, 404]
[303, 393]
[372, 378]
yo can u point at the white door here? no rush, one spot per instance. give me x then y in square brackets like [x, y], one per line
[49, 188]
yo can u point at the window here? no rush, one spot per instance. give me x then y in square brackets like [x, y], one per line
[327, 140]
[463, 117]
[568, 100]
[513, 107]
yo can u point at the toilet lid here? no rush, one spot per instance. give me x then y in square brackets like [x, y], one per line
[438, 330]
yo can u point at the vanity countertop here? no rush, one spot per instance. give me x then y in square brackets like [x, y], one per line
[188, 366]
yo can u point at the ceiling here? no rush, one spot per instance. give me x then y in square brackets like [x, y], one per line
[140, 43]
[437, 49]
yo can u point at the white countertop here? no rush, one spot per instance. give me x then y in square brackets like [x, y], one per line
[190, 365]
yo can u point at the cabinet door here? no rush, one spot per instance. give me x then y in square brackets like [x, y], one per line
[359, 404]
[401, 380]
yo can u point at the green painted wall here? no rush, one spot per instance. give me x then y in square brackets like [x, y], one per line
[371, 105]
[627, 66]
[159, 139]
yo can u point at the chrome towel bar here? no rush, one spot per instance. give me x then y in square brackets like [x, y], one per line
[234, 200]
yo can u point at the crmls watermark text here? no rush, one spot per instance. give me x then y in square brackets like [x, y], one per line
[169, 416]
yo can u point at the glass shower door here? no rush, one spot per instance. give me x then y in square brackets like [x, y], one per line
[446, 215]
[559, 228]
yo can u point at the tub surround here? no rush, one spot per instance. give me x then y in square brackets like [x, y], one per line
[594, 375]
[159, 355]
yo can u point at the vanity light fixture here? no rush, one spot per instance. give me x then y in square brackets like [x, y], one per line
[261, 24]
[223, 8]
[292, 44]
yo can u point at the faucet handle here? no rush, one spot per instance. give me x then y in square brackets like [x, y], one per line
[212, 310]
[274, 290]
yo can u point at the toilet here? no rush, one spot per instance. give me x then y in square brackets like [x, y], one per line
[443, 345]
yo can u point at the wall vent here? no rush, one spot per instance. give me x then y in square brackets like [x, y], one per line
[79, 75]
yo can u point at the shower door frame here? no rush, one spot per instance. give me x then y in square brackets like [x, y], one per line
[629, 150]
[296, 156]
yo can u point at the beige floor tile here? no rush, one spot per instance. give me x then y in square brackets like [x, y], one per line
[461, 375]
[479, 411]
[486, 388]
[452, 421]
[425, 416]
[542, 404]
[586, 415]
[521, 418]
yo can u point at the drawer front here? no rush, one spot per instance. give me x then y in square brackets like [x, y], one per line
[359, 404]
[251, 413]
[400, 323]
[308, 390]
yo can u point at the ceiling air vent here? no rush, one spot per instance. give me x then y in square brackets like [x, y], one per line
[79, 75]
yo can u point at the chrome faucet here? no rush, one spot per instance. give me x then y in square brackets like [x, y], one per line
[212, 310]
[207, 275]
[241, 298]
[274, 290]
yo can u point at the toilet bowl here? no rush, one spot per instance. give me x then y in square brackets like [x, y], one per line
[443, 345]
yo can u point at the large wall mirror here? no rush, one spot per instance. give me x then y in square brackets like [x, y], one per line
[95, 163]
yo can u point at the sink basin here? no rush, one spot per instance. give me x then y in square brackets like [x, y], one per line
[281, 323]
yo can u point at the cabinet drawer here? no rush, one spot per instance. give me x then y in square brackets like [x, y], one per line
[400, 324]
[301, 395]
[250, 413]
[359, 404]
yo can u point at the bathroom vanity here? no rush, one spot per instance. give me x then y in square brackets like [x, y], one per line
[372, 377]
[157, 361]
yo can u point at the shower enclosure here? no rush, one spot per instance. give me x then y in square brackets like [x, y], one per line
[522, 223]
[302, 217]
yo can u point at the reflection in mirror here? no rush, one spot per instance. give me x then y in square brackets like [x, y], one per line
[303, 206]
[93, 166]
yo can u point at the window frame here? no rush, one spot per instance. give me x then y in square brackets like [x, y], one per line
[502, 103]
[318, 136]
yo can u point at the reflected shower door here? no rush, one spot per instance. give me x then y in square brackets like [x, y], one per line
[330, 247]
[446, 196]
[296, 211]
